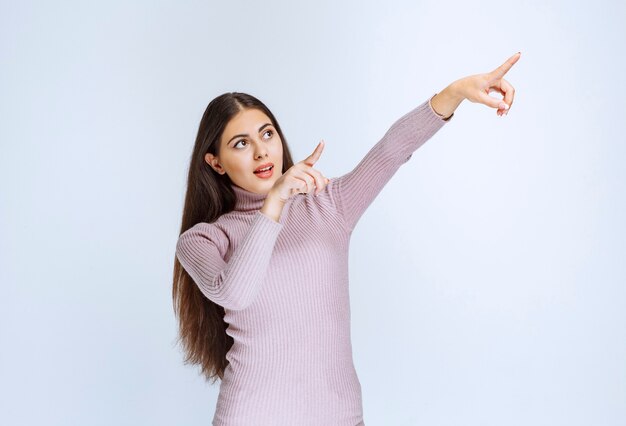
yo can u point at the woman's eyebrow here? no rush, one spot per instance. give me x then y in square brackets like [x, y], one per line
[260, 128]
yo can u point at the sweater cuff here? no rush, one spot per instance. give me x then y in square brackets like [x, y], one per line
[435, 112]
[268, 223]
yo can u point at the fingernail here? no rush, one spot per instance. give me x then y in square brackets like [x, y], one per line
[503, 106]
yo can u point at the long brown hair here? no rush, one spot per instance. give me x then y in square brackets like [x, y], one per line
[202, 329]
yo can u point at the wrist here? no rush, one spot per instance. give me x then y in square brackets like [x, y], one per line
[446, 102]
[273, 206]
[455, 91]
[273, 197]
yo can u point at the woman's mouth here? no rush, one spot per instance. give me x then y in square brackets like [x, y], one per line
[265, 173]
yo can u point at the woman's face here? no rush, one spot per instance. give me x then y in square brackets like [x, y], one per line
[248, 142]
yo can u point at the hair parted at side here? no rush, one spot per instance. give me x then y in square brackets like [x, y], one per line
[202, 330]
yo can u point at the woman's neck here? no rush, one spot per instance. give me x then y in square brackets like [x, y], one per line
[247, 200]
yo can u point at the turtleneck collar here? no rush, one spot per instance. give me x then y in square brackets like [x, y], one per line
[247, 200]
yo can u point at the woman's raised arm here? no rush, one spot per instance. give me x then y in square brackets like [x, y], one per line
[355, 191]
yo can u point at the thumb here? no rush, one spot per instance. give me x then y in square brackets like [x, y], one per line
[312, 159]
[493, 102]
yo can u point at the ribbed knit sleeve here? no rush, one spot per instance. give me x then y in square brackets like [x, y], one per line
[233, 284]
[355, 191]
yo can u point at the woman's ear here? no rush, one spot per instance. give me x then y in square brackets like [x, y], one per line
[213, 161]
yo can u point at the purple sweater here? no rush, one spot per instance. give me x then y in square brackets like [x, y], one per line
[284, 289]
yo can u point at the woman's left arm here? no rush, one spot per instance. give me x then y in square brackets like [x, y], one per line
[353, 192]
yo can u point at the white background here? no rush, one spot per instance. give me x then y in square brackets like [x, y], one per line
[487, 279]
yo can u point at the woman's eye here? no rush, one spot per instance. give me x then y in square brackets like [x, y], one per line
[243, 140]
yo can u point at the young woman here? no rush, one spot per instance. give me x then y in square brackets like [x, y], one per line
[261, 267]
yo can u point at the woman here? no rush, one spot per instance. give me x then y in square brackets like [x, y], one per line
[261, 268]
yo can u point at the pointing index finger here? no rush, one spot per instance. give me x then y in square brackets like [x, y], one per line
[312, 159]
[505, 67]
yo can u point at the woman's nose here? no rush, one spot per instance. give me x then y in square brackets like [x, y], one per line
[260, 150]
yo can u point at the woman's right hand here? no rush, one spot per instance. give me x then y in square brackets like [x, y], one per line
[301, 178]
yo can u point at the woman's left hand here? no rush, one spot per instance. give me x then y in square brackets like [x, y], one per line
[476, 88]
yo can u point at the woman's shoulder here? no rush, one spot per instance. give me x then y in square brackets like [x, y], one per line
[212, 231]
